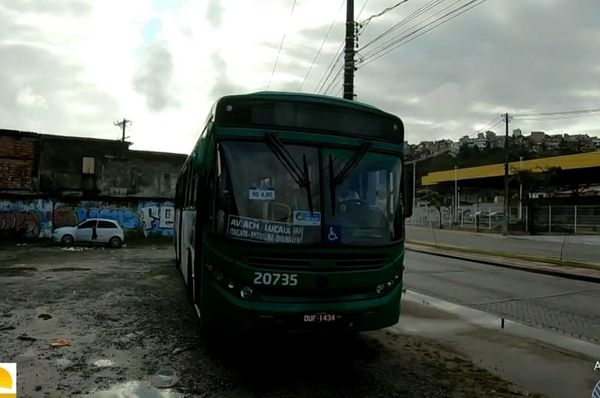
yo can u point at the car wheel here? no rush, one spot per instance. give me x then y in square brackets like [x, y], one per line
[115, 242]
[67, 240]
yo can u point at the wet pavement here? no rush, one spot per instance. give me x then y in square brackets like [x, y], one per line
[115, 323]
[536, 359]
[551, 302]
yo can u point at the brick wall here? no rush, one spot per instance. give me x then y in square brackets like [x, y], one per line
[16, 163]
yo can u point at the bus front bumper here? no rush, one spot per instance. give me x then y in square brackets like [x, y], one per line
[222, 311]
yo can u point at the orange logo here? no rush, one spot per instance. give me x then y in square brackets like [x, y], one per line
[8, 380]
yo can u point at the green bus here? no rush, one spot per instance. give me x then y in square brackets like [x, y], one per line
[289, 215]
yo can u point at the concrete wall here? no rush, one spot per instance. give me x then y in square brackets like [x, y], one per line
[140, 174]
[36, 218]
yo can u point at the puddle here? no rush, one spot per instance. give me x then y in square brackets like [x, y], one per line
[135, 389]
[17, 271]
[62, 269]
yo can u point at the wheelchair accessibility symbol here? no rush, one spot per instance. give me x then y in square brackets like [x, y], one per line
[333, 233]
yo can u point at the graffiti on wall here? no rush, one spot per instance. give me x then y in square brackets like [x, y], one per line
[25, 218]
[37, 218]
[123, 215]
[157, 219]
[73, 214]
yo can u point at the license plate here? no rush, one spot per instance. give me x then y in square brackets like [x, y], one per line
[320, 317]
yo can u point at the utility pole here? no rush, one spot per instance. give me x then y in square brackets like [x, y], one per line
[123, 124]
[349, 52]
[506, 198]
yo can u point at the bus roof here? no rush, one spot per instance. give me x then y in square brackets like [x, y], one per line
[306, 97]
[308, 112]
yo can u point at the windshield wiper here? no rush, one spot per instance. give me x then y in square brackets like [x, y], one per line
[298, 174]
[335, 180]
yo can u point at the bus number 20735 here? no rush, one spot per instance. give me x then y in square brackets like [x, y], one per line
[275, 279]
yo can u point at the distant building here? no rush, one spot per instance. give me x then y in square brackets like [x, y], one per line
[517, 133]
[481, 141]
[537, 137]
[466, 140]
[454, 149]
[553, 142]
[497, 142]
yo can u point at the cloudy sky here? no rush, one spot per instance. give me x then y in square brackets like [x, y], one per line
[73, 67]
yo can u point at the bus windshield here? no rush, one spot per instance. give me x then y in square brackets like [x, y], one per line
[260, 199]
[363, 203]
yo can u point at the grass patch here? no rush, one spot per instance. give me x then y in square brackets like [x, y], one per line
[547, 260]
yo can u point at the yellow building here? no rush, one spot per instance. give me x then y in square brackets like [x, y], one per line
[588, 160]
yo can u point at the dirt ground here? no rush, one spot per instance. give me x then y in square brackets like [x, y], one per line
[102, 323]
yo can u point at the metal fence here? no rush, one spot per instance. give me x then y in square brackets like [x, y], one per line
[490, 218]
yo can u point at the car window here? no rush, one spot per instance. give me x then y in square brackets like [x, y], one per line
[106, 224]
[87, 224]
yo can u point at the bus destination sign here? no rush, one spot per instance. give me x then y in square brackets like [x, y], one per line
[258, 230]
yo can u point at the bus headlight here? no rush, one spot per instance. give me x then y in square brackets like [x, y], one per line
[246, 293]
[380, 288]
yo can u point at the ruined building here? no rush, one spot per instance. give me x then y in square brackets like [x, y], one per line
[48, 181]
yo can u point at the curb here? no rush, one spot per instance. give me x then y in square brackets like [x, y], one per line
[543, 271]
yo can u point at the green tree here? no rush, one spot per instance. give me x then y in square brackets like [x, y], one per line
[433, 199]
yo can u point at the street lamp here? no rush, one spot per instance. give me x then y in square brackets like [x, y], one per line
[455, 193]
[520, 189]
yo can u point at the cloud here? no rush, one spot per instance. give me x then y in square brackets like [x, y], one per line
[214, 13]
[26, 97]
[154, 77]
[68, 7]
[74, 66]
[223, 84]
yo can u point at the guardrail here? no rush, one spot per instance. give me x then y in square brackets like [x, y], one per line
[483, 217]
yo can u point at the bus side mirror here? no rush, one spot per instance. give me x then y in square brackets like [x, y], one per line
[408, 194]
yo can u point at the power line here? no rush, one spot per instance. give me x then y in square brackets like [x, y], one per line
[366, 21]
[280, 46]
[333, 80]
[559, 113]
[492, 123]
[415, 28]
[415, 14]
[362, 9]
[418, 13]
[384, 50]
[335, 60]
[322, 44]
[333, 63]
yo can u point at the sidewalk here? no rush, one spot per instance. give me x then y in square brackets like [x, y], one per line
[547, 268]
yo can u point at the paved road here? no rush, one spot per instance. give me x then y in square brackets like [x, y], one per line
[565, 305]
[582, 248]
[125, 317]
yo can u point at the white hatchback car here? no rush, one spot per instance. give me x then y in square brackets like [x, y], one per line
[92, 230]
